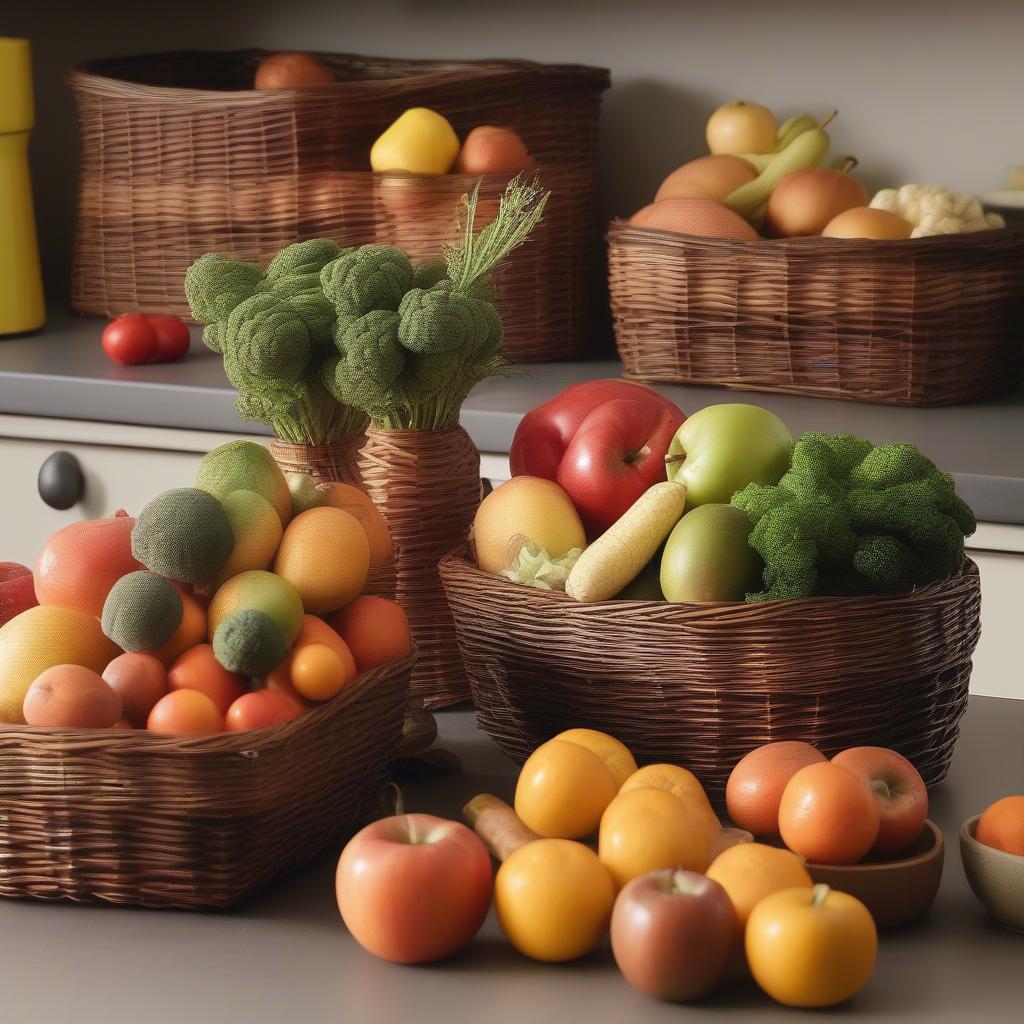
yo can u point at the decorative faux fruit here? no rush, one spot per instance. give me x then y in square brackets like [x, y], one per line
[375, 629]
[722, 448]
[259, 709]
[291, 71]
[899, 790]
[707, 557]
[863, 222]
[828, 814]
[130, 340]
[525, 508]
[17, 590]
[1001, 826]
[565, 785]
[741, 127]
[198, 669]
[185, 713]
[420, 141]
[712, 177]
[694, 215]
[646, 829]
[414, 888]
[749, 872]
[673, 934]
[71, 697]
[754, 790]
[811, 948]
[806, 201]
[140, 680]
[489, 149]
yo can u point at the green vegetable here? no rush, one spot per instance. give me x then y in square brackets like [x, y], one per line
[850, 518]
[534, 567]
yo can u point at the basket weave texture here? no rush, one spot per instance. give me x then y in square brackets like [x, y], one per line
[702, 684]
[928, 321]
[181, 156]
[165, 821]
[426, 484]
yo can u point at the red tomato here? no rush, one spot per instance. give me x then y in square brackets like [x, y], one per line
[130, 339]
[261, 708]
[172, 338]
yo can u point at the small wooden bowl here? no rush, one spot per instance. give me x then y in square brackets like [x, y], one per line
[895, 891]
[995, 877]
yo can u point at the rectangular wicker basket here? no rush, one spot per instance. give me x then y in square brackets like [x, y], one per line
[927, 321]
[700, 685]
[181, 156]
[166, 821]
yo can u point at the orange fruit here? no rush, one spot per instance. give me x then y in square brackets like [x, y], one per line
[358, 504]
[325, 556]
[1002, 825]
[750, 871]
[259, 709]
[680, 783]
[197, 669]
[614, 755]
[312, 631]
[375, 629]
[71, 697]
[755, 785]
[141, 680]
[185, 712]
[828, 814]
[318, 673]
[191, 630]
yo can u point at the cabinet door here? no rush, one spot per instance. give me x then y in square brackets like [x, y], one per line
[997, 671]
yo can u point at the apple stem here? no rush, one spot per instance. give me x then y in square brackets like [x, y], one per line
[671, 460]
[882, 788]
[828, 120]
[397, 798]
[848, 164]
[819, 894]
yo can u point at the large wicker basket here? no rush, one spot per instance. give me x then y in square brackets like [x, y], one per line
[181, 156]
[702, 684]
[928, 321]
[136, 818]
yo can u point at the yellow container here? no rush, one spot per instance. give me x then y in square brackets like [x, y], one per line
[21, 287]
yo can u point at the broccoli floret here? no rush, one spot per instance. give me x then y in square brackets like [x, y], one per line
[426, 275]
[368, 278]
[437, 320]
[850, 518]
[298, 266]
[268, 339]
[215, 285]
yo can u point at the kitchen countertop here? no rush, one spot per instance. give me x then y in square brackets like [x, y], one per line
[62, 372]
[287, 956]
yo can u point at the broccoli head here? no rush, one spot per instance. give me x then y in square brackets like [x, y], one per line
[214, 285]
[267, 338]
[368, 278]
[437, 320]
[426, 275]
[850, 518]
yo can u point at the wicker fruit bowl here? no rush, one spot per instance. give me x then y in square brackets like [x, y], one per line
[167, 821]
[703, 684]
[927, 321]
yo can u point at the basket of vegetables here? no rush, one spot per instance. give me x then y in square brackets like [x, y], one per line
[724, 588]
[256, 151]
[762, 267]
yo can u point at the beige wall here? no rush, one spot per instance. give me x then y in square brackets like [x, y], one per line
[931, 91]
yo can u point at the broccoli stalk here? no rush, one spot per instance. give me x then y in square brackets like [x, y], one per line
[850, 518]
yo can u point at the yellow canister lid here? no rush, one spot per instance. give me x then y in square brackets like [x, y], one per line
[17, 108]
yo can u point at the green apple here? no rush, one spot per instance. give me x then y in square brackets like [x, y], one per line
[304, 492]
[707, 557]
[722, 448]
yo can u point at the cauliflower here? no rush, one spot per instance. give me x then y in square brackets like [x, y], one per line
[936, 210]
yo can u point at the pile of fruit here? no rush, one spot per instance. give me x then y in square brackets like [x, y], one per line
[231, 605]
[615, 493]
[765, 178]
[596, 845]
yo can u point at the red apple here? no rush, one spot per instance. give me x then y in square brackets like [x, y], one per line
[414, 888]
[604, 441]
[898, 788]
[17, 590]
[673, 934]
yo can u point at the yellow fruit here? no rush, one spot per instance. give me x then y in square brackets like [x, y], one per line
[680, 783]
[741, 127]
[40, 638]
[318, 671]
[525, 508]
[866, 222]
[614, 755]
[420, 141]
[261, 591]
[750, 871]
[257, 530]
[325, 556]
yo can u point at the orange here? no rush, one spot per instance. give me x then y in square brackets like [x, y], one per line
[261, 708]
[312, 631]
[318, 673]
[680, 783]
[750, 871]
[191, 630]
[358, 504]
[71, 697]
[325, 556]
[185, 712]
[828, 814]
[755, 785]
[197, 669]
[614, 755]
[1002, 825]
[375, 629]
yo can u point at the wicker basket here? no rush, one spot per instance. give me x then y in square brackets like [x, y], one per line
[702, 684]
[928, 321]
[181, 156]
[136, 818]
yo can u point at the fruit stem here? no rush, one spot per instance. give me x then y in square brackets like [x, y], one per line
[819, 894]
[882, 788]
[848, 164]
[671, 460]
[828, 120]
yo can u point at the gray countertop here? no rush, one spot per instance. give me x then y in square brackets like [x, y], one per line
[286, 956]
[62, 372]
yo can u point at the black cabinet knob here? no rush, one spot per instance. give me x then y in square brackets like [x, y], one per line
[61, 481]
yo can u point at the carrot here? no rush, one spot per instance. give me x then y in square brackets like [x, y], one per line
[618, 556]
[497, 825]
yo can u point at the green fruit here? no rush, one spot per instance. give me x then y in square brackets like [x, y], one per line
[260, 591]
[184, 535]
[245, 466]
[305, 493]
[707, 557]
[257, 530]
[141, 611]
[721, 449]
[249, 643]
[647, 586]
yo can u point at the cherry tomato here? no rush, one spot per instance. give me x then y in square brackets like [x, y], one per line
[172, 338]
[259, 709]
[130, 339]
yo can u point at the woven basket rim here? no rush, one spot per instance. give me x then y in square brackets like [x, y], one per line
[251, 742]
[686, 611]
[89, 74]
[622, 232]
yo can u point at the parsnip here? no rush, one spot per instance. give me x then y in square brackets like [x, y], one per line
[618, 556]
